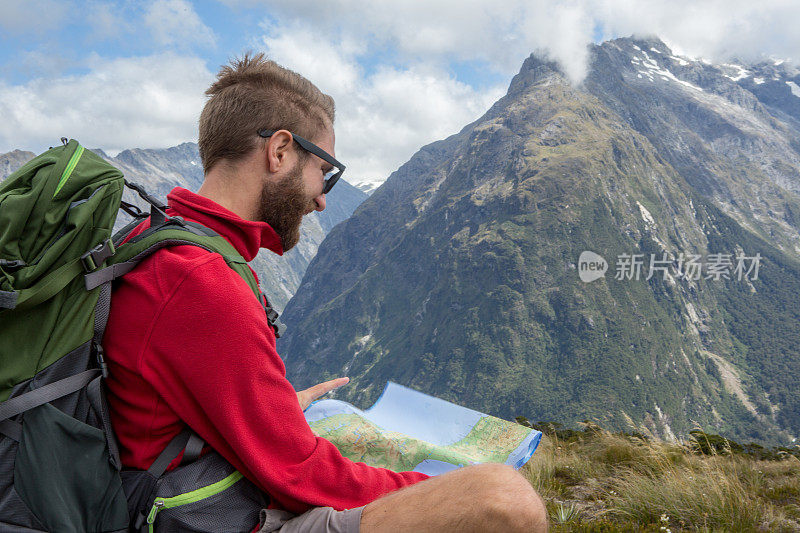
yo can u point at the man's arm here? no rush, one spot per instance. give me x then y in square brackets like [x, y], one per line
[305, 397]
[211, 356]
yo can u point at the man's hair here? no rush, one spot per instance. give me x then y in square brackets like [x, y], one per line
[252, 93]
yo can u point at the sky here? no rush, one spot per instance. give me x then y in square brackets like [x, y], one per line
[131, 74]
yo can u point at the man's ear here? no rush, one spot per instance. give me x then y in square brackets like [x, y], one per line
[278, 147]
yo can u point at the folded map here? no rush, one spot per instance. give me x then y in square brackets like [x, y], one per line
[408, 430]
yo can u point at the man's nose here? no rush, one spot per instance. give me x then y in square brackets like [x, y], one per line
[319, 201]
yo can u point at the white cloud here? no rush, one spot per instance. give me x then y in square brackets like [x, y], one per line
[123, 103]
[395, 69]
[106, 21]
[498, 35]
[398, 111]
[503, 33]
[717, 30]
[31, 16]
[383, 116]
[564, 32]
[175, 23]
[331, 67]
[43, 63]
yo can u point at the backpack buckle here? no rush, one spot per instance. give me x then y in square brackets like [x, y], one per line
[101, 361]
[8, 264]
[96, 256]
[277, 325]
[178, 221]
[272, 317]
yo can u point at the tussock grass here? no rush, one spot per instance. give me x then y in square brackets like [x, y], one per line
[606, 482]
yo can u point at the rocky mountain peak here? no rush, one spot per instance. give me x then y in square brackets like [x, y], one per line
[11, 161]
[468, 287]
[536, 69]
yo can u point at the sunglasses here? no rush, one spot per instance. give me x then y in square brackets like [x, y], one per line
[331, 176]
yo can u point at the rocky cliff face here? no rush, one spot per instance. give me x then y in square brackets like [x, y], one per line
[11, 161]
[460, 275]
[159, 171]
[731, 131]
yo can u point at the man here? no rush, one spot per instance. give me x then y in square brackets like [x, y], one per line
[188, 344]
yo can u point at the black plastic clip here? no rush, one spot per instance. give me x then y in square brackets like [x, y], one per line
[96, 256]
[132, 209]
[178, 221]
[272, 318]
[8, 264]
[101, 361]
[152, 200]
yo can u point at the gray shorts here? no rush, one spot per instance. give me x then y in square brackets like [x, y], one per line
[316, 520]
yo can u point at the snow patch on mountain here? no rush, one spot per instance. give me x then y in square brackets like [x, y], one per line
[653, 69]
[741, 72]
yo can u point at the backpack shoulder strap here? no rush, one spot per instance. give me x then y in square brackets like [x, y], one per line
[174, 232]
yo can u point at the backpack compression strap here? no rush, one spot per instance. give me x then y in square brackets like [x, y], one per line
[36, 397]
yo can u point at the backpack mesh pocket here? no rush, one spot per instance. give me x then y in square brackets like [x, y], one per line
[63, 474]
[206, 495]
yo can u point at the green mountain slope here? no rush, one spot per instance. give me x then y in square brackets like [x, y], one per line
[459, 277]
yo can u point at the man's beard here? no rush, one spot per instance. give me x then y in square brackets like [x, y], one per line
[283, 206]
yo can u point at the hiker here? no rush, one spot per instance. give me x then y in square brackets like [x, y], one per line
[188, 344]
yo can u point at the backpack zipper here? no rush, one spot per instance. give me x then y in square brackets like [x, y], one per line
[190, 497]
[73, 162]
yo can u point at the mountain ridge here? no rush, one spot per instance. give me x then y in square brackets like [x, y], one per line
[467, 287]
[160, 170]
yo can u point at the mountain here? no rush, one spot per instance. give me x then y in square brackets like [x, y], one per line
[159, 171]
[460, 275]
[11, 161]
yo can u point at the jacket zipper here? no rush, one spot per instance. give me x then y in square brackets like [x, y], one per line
[190, 497]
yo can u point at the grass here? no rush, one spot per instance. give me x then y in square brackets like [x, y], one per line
[596, 481]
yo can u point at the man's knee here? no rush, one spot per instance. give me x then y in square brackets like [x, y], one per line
[509, 498]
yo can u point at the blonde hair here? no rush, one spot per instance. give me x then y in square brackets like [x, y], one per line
[252, 93]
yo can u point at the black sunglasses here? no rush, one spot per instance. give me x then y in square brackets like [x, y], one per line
[332, 176]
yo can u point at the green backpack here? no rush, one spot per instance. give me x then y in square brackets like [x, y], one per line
[59, 461]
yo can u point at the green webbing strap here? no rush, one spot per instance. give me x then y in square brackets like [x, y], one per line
[182, 233]
[44, 289]
[47, 393]
[234, 259]
[110, 273]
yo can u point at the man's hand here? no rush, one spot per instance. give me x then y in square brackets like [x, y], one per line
[305, 397]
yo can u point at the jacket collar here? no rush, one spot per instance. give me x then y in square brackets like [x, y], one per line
[247, 236]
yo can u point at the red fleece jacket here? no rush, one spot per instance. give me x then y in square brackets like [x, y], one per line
[187, 342]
